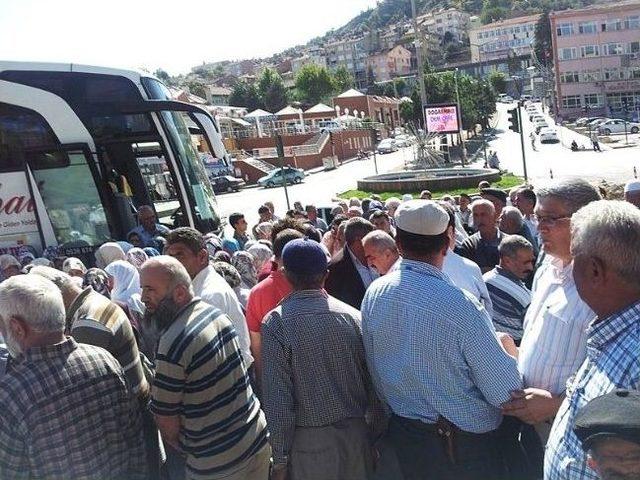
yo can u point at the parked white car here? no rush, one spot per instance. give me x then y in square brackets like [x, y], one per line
[617, 126]
[504, 98]
[548, 135]
[388, 145]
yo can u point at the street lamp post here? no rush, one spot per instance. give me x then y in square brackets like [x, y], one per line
[418, 45]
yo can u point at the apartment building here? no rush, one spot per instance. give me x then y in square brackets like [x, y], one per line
[311, 58]
[597, 59]
[391, 63]
[452, 20]
[514, 36]
[351, 53]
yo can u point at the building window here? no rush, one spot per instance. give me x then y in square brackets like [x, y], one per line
[613, 74]
[564, 29]
[634, 73]
[567, 53]
[633, 22]
[633, 47]
[612, 49]
[612, 25]
[594, 100]
[571, 101]
[569, 77]
[589, 51]
[587, 28]
[591, 76]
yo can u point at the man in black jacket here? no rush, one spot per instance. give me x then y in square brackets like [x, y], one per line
[349, 275]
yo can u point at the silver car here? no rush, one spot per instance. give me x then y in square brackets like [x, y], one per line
[618, 126]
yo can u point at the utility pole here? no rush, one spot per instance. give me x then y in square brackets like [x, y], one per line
[280, 150]
[460, 141]
[418, 45]
[524, 158]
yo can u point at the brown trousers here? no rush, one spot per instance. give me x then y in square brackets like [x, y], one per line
[340, 451]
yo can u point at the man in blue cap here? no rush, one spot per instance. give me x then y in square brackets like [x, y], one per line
[316, 387]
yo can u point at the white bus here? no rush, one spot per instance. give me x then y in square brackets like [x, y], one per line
[82, 147]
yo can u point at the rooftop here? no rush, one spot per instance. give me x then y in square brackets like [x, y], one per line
[508, 21]
[593, 9]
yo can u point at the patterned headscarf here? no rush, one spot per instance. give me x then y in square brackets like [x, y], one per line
[98, 280]
[222, 256]
[50, 253]
[243, 261]
[151, 252]
[261, 255]
[228, 272]
[136, 257]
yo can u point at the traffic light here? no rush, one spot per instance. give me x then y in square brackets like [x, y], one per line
[514, 123]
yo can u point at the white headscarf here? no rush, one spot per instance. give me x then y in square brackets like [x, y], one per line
[126, 284]
[107, 253]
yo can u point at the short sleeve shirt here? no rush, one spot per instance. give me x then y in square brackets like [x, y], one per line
[264, 297]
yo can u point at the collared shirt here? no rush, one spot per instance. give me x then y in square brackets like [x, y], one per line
[432, 350]
[466, 275]
[241, 238]
[464, 215]
[510, 298]
[146, 237]
[94, 319]
[613, 361]
[66, 412]
[320, 224]
[315, 371]
[481, 250]
[554, 343]
[264, 297]
[367, 274]
[200, 377]
[213, 289]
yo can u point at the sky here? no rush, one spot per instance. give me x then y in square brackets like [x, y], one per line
[174, 35]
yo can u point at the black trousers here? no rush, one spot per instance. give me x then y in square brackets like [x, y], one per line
[422, 455]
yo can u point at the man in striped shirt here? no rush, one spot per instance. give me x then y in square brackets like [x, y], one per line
[554, 343]
[201, 396]
[509, 295]
[94, 319]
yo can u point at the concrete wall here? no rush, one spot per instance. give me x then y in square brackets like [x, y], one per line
[407, 182]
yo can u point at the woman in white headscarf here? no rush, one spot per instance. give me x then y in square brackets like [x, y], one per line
[261, 256]
[125, 290]
[107, 253]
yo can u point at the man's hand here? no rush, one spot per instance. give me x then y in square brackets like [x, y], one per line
[532, 405]
[279, 472]
[508, 344]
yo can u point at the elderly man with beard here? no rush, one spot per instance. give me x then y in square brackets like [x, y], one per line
[201, 397]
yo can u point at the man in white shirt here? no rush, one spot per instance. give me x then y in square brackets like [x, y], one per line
[188, 246]
[462, 272]
[554, 343]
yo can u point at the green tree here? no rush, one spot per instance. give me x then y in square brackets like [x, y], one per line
[314, 84]
[493, 10]
[245, 95]
[162, 75]
[498, 81]
[272, 91]
[343, 79]
[407, 112]
[542, 40]
[197, 87]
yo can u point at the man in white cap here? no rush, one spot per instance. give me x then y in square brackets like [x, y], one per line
[434, 357]
[632, 192]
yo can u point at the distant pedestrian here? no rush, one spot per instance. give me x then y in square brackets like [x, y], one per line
[595, 142]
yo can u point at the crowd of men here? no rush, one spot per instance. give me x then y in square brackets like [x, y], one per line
[494, 336]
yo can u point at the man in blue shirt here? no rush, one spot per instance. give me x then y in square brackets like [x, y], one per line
[606, 267]
[434, 358]
[148, 228]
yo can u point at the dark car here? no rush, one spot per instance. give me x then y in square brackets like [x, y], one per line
[226, 183]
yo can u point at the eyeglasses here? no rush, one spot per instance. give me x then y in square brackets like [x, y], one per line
[550, 220]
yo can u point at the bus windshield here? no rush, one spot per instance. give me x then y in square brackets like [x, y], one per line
[194, 172]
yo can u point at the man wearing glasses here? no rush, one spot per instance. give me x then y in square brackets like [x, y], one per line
[554, 341]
